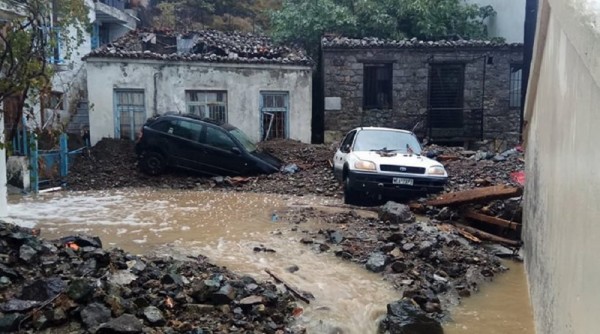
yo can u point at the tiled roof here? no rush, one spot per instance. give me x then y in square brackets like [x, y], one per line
[204, 46]
[373, 42]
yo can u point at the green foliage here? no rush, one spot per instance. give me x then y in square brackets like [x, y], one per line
[306, 21]
[185, 15]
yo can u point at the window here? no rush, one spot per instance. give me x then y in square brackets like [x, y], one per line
[130, 113]
[377, 86]
[208, 104]
[54, 101]
[187, 130]
[516, 73]
[274, 110]
[446, 94]
[53, 38]
[347, 142]
[219, 139]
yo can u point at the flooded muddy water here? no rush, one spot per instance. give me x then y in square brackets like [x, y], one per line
[226, 227]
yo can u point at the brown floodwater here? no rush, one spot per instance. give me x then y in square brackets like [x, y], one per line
[226, 226]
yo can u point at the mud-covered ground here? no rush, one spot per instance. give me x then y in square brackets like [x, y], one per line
[428, 260]
[112, 164]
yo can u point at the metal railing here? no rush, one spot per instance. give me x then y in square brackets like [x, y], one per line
[119, 4]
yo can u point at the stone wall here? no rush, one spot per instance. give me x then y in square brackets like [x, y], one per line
[343, 78]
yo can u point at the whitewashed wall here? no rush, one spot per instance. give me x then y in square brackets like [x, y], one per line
[243, 83]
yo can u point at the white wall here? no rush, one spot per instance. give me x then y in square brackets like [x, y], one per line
[243, 84]
[562, 198]
[509, 20]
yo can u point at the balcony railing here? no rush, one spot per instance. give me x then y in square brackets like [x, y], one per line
[118, 4]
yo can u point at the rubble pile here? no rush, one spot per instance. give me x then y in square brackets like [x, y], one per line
[112, 163]
[73, 285]
[430, 262]
[470, 169]
[314, 175]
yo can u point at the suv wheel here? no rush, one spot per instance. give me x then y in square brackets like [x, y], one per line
[350, 196]
[153, 163]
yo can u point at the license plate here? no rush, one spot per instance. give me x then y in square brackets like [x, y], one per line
[403, 181]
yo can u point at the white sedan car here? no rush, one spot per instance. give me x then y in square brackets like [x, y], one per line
[384, 161]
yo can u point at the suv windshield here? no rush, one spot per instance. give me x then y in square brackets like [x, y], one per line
[375, 140]
[243, 139]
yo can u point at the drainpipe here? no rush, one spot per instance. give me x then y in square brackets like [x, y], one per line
[154, 98]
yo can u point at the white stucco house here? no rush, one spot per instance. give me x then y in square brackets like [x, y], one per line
[67, 103]
[242, 79]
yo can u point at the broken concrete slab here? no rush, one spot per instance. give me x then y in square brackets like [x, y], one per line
[475, 195]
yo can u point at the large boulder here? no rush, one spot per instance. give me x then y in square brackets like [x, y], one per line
[396, 213]
[406, 317]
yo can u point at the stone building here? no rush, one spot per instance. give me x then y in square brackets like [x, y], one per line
[447, 91]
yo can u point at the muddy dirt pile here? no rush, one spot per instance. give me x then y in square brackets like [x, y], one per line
[74, 286]
[429, 262]
[314, 175]
[112, 164]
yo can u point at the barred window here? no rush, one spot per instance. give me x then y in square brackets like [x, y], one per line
[377, 86]
[209, 104]
[516, 74]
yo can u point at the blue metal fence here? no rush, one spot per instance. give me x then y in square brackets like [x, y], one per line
[47, 167]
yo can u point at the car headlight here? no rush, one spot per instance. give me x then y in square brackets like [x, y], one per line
[365, 165]
[436, 170]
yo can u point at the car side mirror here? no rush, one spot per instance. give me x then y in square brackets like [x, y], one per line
[236, 150]
[345, 148]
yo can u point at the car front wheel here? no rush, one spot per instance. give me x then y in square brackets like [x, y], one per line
[350, 196]
[153, 163]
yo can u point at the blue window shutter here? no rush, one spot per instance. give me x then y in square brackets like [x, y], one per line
[95, 36]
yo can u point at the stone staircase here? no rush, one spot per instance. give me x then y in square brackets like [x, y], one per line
[80, 119]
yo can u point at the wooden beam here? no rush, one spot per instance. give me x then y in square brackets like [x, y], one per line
[491, 220]
[488, 236]
[476, 195]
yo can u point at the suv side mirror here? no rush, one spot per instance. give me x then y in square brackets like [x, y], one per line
[345, 148]
[236, 150]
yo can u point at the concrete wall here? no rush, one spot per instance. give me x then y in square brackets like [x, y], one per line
[562, 234]
[243, 84]
[344, 74]
[509, 20]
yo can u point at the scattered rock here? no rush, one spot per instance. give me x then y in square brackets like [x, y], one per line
[405, 316]
[396, 213]
[94, 315]
[154, 316]
[125, 324]
[376, 262]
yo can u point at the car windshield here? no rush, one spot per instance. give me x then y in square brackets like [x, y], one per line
[377, 140]
[243, 139]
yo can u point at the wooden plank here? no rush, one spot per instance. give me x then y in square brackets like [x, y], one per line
[476, 195]
[488, 236]
[491, 220]
[294, 291]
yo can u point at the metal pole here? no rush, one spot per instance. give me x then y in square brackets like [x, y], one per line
[483, 97]
[35, 182]
[64, 161]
